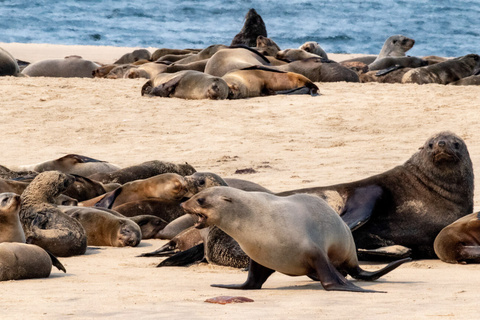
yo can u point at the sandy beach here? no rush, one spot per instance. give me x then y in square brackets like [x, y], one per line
[351, 131]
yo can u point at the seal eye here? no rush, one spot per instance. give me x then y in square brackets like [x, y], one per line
[201, 182]
[4, 201]
[201, 201]
[456, 145]
[394, 41]
[430, 145]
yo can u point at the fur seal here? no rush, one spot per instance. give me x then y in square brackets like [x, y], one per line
[157, 54]
[186, 84]
[467, 81]
[143, 170]
[166, 186]
[404, 62]
[392, 75]
[444, 72]
[409, 204]
[148, 70]
[8, 64]
[459, 242]
[315, 241]
[314, 47]
[43, 223]
[68, 67]
[165, 210]
[25, 261]
[204, 54]
[135, 55]
[295, 54]
[10, 227]
[74, 164]
[149, 225]
[320, 70]
[259, 81]
[226, 60]
[104, 228]
[267, 46]
[252, 28]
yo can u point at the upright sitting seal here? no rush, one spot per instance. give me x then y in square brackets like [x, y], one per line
[459, 242]
[409, 204]
[252, 28]
[10, 226]
[314, 239]
[43, 223]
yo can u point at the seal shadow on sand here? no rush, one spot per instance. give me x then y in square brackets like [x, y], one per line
[360, 283]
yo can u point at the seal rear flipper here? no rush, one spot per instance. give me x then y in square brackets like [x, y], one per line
[56, 262]
[331, 278]
[165, 250]
[257, 275]
[359, 206]
[109, 198]
[469, 254]
[388, 70]
[310, 89]
[184, 258]
[389, 253]
[360, 274]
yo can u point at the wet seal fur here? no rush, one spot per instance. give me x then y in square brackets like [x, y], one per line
[459, 242]
[314, 239]
[409, 204]
[44, 224]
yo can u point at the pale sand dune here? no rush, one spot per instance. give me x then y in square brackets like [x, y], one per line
[349, 132]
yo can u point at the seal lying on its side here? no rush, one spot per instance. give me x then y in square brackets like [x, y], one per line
[459, 242]
[72, 66]
[409, 204]
[314, 239]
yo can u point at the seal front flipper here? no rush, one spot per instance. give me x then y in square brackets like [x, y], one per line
[257, 275]
[56, 262]
[388, 70]
[359, 206]
[186, 257]
[109, 198]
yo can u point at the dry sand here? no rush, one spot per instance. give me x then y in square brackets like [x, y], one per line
[349, 132]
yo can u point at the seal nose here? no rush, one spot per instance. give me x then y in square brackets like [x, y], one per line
[441, 143]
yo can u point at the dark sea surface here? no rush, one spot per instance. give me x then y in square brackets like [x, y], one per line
[439, 27]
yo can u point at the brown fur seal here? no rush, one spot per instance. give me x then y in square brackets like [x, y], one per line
[444, 72]
[204, 54]
[7, 185]
[252, 28]
[258, 81]
[404, 62]
[459, 242]
[8, 64]
[104, 228]
[10, 227]
[149, 224]
[392, 76]
[230, 59]
[187, 84]
[267, 46]
[314, 47]
[157, 54]
[409, 204]
[147, 70]
[74, 164]
[467, 81]
[134, 56]
[63, 68]
[314, 239]
[395, 46]
[25, 261]
[166, 186]
[43, 223]
[295, 54]
[321, 70]
[143, 170]
[185, 240]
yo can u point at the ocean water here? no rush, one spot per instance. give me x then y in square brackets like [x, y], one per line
[439, 27]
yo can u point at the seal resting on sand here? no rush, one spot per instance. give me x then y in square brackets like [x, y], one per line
[459, 242]
[409, 204]
[8, 64]
[44, 224]
[72, 66]
[296, 235]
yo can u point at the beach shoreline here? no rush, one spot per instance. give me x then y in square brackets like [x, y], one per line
[349, 132]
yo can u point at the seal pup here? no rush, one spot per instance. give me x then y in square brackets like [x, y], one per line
[315, 241]
[72, 66]
[74, 164]
[252, 28]
[104, 228]
[204, 54]
[8, 64]
[395, 46]
[10, 227]
[409, 204]
[166, 186]
[314, 47]
[259, 81]
[186, 84]
[459, 242]
[444, 72]
[43, 223]
[25, 261]
[143, 170]
[295, 54]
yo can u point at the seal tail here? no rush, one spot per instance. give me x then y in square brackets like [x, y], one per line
[186, 257]
[360, 274]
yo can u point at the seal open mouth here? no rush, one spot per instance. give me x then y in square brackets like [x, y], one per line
[201, 218]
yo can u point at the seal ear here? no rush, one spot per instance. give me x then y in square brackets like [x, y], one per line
[227, 199]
